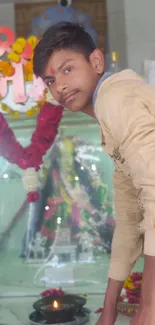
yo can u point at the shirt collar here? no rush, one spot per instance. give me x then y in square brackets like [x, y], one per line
[104, 77]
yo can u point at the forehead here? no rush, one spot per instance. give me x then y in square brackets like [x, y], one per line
[60, 57]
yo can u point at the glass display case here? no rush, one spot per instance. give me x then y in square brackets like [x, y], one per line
[64, 239]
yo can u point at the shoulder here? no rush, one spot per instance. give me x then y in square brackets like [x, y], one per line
[111, 105]
[118, 103]
[118, 88]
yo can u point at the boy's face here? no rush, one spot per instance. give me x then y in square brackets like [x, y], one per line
[72, 79]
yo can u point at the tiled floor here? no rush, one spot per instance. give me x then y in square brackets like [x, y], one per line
[16, 311]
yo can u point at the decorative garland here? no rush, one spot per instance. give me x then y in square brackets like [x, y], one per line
[131, 288]
[21, 50]
[130, 294]
[30, 158]
[29, 113]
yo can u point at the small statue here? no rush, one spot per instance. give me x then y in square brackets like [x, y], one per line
[37, 247]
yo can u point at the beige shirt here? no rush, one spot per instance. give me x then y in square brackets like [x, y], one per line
[125, 109]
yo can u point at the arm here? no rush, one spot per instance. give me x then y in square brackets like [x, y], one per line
[137, 138]
[133, 128]
[127, 242]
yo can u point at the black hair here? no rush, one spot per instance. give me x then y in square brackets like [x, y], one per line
[64, 35]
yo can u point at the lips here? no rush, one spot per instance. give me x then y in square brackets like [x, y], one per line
[69, 97]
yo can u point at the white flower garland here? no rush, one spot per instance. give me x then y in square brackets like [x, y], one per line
[30, 180]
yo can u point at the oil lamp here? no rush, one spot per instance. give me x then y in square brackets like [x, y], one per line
[59, 312]
[66, 309]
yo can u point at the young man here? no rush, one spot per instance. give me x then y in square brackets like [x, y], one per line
[73, 68]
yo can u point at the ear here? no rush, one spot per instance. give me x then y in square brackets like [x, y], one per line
[97, 61]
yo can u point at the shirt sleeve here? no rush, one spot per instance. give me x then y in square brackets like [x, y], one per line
[133, 127]
[127, 242]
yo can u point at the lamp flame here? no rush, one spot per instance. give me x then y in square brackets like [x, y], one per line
[55, 304]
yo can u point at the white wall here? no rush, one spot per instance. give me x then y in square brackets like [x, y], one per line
[132, 31]
[7, 15]
[140, 32]
[117, 29]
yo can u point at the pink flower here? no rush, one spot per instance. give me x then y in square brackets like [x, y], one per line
[55, 292]
[98, 311]
[32, 196]
[136, 276]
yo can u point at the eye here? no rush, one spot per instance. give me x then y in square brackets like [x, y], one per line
[50, 82]
[69, 69]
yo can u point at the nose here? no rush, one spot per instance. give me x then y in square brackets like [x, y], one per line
[61, 85]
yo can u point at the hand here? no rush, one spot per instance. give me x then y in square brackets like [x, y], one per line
[109, 314]
[108, 317]
[144, 316]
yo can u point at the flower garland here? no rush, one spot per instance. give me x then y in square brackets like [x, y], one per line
[21, 51]
[29, 113]
[52, 292]
[15, 55]
[131, 289]
[30, 158]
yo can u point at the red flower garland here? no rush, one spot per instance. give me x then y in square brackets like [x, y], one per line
[132, 288]
[42, 139]
[52, 292]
